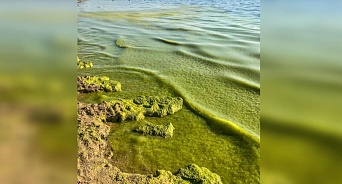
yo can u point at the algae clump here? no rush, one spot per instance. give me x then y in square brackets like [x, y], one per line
[114, 111]
[199, 175]
[83, 64]
[88, 84]
[120, 43]
[121, 110]
[159, 106]
[167, 177]
[126, 109]
[165, 130]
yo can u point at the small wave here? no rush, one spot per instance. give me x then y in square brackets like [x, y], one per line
[248, 84]
[136, 42]
[206, 59]
[178, 29]
[171, 42]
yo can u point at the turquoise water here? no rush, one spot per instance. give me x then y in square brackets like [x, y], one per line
[208, 53]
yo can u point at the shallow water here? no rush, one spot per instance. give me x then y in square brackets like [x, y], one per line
[208, 53]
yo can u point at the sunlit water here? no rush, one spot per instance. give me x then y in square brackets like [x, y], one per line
[208, 53]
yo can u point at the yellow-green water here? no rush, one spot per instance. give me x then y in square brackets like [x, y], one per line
[208, 55]
[301, 92]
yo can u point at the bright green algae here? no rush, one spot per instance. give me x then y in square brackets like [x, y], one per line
[192, 174]
[159, 106]
[196, 174]
[136, 109]
[165, 130]
[84, 64]
[194, 140]
[216, 70]
[219, 81]
[104, 82]
[95, 83]
[94, 155]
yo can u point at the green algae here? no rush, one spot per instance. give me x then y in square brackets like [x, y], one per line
[104, 82]
[97, 83]
[225, 154]
[193, 142]
[94, 154]
[122, 110]
[132, 110]
[165, 130]
[167, 177]
[192, 174]
[219, 125]
[83, 64]
[206, 85]
[135, 84]
[219, 111]
[136, 17]
[200, 69]
[199, 175]
[121, 43]
[159, 106]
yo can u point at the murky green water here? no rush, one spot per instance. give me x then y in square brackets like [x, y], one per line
[206, 53]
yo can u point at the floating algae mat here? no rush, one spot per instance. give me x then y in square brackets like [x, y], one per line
[208, 58]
